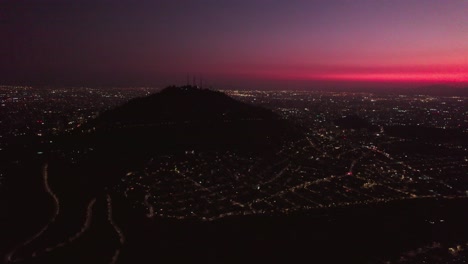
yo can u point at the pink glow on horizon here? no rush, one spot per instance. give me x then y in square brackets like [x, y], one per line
[398, 77]
[424, 74]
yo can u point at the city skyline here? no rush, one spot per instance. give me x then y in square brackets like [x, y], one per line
[303, 44]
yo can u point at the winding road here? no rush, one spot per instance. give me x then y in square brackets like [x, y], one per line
[10, 257]
[116, 228]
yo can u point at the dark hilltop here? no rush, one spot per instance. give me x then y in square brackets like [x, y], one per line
[182, 104]
[187, 118]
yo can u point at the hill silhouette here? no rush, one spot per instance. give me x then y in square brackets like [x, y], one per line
[187, 118]
[178, 104]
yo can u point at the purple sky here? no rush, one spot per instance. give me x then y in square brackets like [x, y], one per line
[235, 43]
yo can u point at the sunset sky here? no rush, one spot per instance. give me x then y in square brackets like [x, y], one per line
[235, 43]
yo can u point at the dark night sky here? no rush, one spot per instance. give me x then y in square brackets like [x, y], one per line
[235, 43]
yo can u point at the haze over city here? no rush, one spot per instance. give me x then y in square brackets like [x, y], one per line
[236, 44]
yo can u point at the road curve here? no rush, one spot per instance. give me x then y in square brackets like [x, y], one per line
[84, 228]
[10, 257]
[116, 228]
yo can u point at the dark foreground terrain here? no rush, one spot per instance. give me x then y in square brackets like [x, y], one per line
[358, 234]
